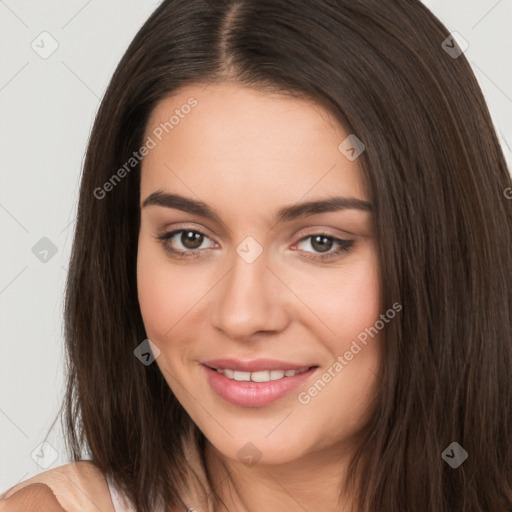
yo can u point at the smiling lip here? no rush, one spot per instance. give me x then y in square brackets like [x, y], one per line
[249, 393]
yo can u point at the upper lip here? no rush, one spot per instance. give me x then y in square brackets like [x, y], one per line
[253, 365]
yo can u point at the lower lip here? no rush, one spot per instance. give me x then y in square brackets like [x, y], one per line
[254, 394]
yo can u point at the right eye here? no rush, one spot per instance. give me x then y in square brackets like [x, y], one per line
[183, 242]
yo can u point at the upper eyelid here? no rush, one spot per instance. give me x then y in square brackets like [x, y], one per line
[192, 227]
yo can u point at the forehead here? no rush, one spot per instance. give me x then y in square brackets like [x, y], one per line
[250, 143]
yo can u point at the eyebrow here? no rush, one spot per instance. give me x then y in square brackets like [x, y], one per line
[284, 214]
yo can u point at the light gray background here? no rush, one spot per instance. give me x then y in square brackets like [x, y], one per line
[47, 107]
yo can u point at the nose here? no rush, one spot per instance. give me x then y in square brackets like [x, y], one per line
[250, 299]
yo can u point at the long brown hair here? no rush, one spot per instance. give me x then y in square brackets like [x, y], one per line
[436, 176]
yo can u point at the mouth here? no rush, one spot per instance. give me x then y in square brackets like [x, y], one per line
[235, 383]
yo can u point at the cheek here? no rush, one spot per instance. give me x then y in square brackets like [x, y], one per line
[167, 292]
[163, 302]
[344, 302]
[150, 291]
[157, 294]
[358, 306]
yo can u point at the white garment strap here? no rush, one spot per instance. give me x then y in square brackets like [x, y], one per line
[120, 501]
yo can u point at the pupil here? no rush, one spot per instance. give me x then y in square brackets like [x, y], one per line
[191, 239]
[321, 243]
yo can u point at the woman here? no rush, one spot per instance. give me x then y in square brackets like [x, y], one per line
[289, 286]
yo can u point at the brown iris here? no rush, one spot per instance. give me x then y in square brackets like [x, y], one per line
[191, 239]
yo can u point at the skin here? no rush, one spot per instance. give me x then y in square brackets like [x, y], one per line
[247, 153]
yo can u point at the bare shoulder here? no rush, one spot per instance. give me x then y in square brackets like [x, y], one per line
[76, 486]
[32, 497]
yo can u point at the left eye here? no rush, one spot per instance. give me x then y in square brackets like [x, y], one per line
[322, 243]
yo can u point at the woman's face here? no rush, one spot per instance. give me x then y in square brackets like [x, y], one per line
[250, 284]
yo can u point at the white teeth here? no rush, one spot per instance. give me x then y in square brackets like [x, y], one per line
[242, 375]
[259, 376]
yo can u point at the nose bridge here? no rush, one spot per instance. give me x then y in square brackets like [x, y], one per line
[249, 299]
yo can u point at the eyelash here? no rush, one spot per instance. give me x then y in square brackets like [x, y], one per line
[345, 246]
